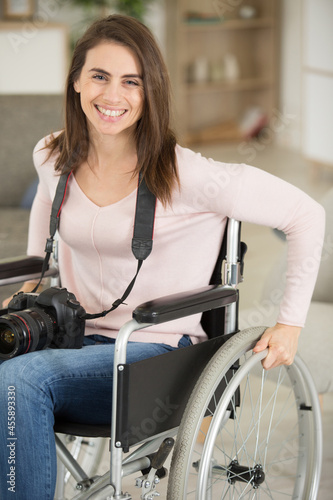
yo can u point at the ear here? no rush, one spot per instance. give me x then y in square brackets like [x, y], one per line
[77, 86]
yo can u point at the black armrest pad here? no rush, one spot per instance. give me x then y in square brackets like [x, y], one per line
[20, 266]
[184, 304]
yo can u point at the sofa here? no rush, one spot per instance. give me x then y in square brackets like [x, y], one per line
[24, 120]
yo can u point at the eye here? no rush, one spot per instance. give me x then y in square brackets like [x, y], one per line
[132, 82]
[99, 77]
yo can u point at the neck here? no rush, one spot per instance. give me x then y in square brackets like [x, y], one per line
[114, 154]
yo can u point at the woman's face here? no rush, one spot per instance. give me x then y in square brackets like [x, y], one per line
[111, 90]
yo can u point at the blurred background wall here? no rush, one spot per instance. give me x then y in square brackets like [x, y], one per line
[246, 74]
[271, 73]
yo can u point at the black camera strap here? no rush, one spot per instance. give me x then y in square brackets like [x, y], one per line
[57, 203]
[142, 241]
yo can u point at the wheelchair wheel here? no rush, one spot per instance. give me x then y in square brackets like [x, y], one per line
[266, 444]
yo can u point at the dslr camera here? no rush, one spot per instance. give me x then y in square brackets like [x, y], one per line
[53, 319]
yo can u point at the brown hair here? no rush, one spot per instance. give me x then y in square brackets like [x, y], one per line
[155, 141]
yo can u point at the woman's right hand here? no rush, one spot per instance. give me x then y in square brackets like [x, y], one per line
[27, 287]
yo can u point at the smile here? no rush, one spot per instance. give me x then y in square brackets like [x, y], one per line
[109, 112]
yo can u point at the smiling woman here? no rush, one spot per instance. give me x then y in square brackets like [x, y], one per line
[112, 98]
[117, 99]
[111, 92]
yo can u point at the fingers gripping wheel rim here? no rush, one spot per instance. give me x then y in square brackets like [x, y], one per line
[264, 451]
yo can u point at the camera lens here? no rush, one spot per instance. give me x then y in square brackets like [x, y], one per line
[7, 339]
[25, 331]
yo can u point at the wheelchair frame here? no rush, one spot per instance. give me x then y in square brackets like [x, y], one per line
[232, 278]
[145, 457]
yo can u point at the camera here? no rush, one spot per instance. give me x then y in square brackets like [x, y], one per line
[53, 319]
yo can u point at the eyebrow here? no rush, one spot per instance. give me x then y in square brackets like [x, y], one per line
[99, 70]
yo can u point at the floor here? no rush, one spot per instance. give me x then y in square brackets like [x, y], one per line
[264, 247]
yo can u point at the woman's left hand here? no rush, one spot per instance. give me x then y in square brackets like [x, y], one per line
[281, 341]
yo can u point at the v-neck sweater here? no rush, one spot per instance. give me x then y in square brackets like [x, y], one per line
[95, 258]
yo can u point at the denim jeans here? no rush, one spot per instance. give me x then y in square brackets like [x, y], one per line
[73, 384]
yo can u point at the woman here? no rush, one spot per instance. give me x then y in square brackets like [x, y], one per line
[117, 125]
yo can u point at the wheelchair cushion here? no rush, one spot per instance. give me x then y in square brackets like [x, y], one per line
[84, 430]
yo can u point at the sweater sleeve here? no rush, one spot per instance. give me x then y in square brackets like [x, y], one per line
[268, 200]
[41, 207]
[252, 195]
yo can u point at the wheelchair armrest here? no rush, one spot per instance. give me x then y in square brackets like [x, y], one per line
[17, 269]
[184, 304]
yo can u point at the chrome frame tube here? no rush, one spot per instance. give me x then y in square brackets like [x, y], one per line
[119, 358]
[231, 272]
[230, 322]
[69, 462]
[232, 241]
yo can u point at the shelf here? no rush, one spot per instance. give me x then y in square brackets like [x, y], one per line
[232, 24]
[224, 132]
[225, 86]
[204, 49]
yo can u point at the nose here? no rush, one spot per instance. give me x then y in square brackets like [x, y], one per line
[112, 91]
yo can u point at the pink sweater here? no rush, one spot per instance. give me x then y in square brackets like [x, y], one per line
[97, 263]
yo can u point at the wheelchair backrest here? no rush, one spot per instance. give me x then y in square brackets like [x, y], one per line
[214, 321]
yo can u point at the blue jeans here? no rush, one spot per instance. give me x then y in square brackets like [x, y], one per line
[72, 384]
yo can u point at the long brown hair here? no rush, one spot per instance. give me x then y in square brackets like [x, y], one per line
[155, 141]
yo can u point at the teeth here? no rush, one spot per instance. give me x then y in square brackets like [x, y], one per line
[108, 112]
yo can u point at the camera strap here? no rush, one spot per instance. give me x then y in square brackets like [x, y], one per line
[142, 241]
[57, 203]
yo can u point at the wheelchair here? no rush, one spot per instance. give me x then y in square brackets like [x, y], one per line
[235, 431]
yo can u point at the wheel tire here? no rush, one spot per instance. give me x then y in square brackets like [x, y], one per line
[249, 456]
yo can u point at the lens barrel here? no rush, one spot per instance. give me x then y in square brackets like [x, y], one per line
[25, 331]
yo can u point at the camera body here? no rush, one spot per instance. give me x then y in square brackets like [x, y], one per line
[54, 319]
